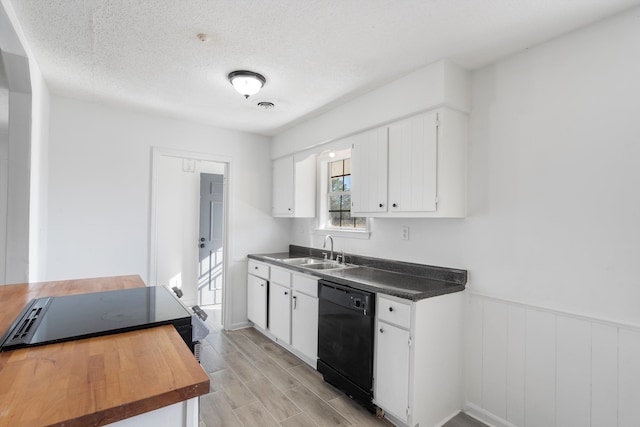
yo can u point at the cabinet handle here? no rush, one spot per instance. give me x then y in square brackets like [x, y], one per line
[262, 284]
[255, 268]
[289, 209]
[201, 245]
[381, 205]
[395, 205]
[202, 239]
[286, 293]
[381, 331]
[295, 300]
[390, 308]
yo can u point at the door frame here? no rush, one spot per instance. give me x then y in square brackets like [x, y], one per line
[156, 153]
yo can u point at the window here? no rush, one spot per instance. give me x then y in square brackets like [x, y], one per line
[339, 198]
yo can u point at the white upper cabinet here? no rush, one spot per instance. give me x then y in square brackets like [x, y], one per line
[413, 148]
[369, 171]
[415, 167]
[294, 186]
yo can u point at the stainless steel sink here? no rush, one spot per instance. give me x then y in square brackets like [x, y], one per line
[326, 265]
[297, 261]
[315, 263]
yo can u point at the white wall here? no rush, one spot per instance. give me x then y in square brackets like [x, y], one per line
[99, 191]
[4, 166]
[39, 176]
[26, 206]
[552, 224]
[555, 202]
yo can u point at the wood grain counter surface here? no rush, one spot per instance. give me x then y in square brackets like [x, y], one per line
[94, 381]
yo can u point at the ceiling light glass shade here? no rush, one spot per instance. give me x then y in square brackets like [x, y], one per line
[247, 83]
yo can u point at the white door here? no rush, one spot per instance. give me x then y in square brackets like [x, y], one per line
[210, 240]
[413, 154]
[304, 324]
[283, 187]
[175, 224]
[257, 301]
[392, 370]
[369, 172]
[280, 312]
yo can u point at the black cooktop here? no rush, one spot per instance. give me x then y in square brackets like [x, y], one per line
[55, 319]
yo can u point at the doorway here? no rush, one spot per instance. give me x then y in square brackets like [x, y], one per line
[189, 239]
[211, 253]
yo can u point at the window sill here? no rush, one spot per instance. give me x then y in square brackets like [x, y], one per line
[365, 235]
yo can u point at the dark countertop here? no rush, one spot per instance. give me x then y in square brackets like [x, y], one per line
[405, 280]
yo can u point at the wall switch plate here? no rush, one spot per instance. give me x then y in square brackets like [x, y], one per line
[404, 233]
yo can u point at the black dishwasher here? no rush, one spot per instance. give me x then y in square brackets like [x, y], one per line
[345, 339]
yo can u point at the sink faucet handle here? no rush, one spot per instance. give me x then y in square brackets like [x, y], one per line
[324, 256]
[342, 258]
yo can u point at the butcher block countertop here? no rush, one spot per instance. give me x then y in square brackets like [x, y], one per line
[94, 381]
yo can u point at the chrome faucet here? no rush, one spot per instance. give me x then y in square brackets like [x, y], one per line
[325, 245]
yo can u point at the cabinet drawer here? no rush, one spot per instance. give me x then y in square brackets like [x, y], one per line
[281, 276]
[258, 269]
[393, 311]
[306, 284]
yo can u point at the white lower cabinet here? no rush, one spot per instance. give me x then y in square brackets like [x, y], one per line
[257, 301]
[257, 285]
[280, 312]
[290, 304]
[304, 317]
[417, 373]
[392, 379]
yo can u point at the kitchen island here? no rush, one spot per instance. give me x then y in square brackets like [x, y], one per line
[146, 377]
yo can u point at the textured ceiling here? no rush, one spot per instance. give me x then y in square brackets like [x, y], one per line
[314, 53]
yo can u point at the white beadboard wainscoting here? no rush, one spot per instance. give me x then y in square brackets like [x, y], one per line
[529, 366]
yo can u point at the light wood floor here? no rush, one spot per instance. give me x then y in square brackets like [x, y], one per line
[255, 382]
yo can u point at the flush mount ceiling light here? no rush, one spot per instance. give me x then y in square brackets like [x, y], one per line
[247, 83]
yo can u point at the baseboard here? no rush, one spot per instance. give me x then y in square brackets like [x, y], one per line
[447, 419]
[241, 325]
[485, 416]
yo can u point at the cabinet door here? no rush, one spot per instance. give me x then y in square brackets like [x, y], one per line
[305, 186]
[392, 370]
[283, 187]
[257, 301]
[304, 324]
[413, 151]
[369, 172]
[280, 312]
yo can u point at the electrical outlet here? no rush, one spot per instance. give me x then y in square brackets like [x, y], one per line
[404, 233]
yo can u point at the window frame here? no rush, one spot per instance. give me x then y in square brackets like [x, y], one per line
[323, 226]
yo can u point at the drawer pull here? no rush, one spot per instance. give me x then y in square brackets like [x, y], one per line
[390, 308]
